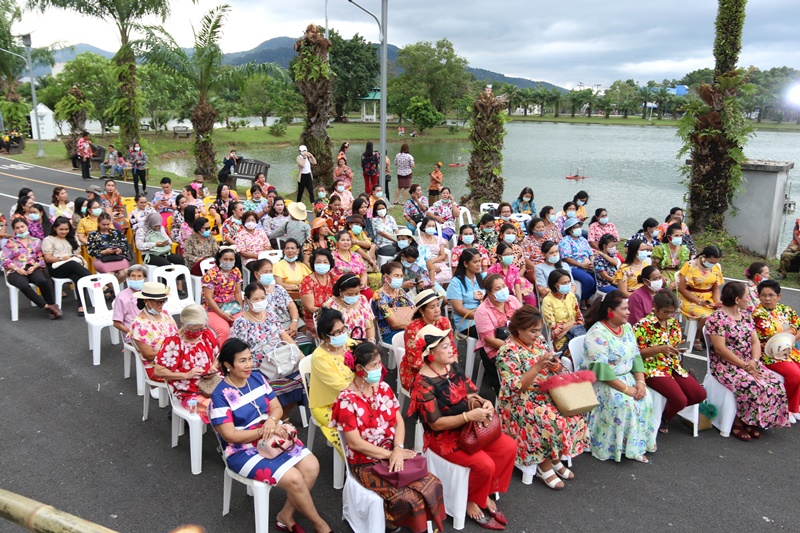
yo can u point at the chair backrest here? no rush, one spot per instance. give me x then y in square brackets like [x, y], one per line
[95, 284]
[707, 339]
[343, 443]
[485, 208]
[576, 350]
[399, 347]
[523, 220]
[206, 264]
[304, 368]
[464, 215]
[168, 275]
[273, 255]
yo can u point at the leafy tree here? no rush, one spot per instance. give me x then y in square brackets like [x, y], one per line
[697, 77]
[436, 70]
[511, 95]
[264, 96]
[423, 114]
[164, 94]
[486, 136]
[576, 100]
[73, 108]
[401, 90]
[591, 99]
[663, 98]
[94, 76]
[527, 99]
[645, 95]
[540, 97]
[605, 104]
[556, 98]
[355, 64]
[202, 71]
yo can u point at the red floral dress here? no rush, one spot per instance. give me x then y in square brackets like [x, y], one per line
[374, 418]
[178, 355]
[322, 293]
[412, 360]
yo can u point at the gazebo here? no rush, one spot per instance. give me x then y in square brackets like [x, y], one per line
[373, 96]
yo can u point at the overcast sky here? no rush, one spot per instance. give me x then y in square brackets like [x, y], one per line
[564, 42]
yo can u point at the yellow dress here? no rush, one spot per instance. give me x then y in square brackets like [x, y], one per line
[700, 282]
[329, 376]
[629, 273]
[557, 312]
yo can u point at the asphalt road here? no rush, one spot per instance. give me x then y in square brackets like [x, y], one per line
[73, 438]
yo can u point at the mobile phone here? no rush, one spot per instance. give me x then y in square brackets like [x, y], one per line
[683, 350]
[557, 355]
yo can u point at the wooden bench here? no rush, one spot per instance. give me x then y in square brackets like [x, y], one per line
[144, 127]
[98, 156]
[181, 131]
[14, 148]
[248, 169]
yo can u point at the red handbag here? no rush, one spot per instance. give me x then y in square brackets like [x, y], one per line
[413, 469]
[476, 436]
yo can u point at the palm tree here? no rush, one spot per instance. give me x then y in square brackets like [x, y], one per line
[576, 100]
[125, 15]
[555, 99]
[763, 101]
[663, 98]
[512, 94]
[202, 69]
[592, 99]
[644, 98]
[605, 104]
[527, 98]
[541, 97]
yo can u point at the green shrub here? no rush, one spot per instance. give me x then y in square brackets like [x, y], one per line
[278, 129]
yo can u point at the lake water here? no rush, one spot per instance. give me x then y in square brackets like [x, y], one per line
[633, 171]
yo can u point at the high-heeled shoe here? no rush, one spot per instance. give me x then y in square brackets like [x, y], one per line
[294, 529]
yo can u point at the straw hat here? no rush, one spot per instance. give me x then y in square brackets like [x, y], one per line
[404, 232]
[298, 210]
[318, 223]
[152, 290]
[424, 298]
[779, 346]
[431, 337]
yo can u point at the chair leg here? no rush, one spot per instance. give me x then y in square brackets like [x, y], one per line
[470, 359]
[163, 397]
[176, 423]
[226, 492]
[126, 363]
[13, 298]
[96, 341]
[261, 504]
[418, 436]
[304, 416]
[145, 405]
[114, 335]
[196, 445]
[338, 470]
[312, 427]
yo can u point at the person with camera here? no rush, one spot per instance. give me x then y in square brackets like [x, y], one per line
[305, 178]
[229, 164]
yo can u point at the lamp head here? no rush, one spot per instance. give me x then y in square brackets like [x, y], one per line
[26, 40]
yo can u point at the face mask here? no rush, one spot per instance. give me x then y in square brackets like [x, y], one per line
[504, 218]
[396, 283]
[322, 194]
[34, 216]
[708, 265]
[357, 229]
[604, 220]
[580, 202]
[136, 284]
[237, 221]
[378, 195]
[430, 231]
[553, 259]
[290, 259]
[322, 268]
[206, 233]
[677, 241]
[656, 285]
[488, 230]
[612, 250]
[571, 214]
[641, 255]
[136, 149]
[350, 300]
[655, 233]
[526, 199]
[402, 244]
[152, 311]
[551, 218]
[23, 235]
[564, 289]
[193, 334]
[337, 341]
[83, 210]
[508, 259]
[406, 264]
[577, 232]
[373, 376]
[381, 212]
[261, 306]
[97, 211]
[538, 234]
[502, 295]
[468, 239]
[340, 188]
[250, 225]
[267, 279]
[227, 265]
[510, 238]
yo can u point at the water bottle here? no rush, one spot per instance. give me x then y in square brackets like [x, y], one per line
[191, 405]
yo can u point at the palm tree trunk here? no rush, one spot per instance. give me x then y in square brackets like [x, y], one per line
[128, 112]
[485, 181]
[203, 118]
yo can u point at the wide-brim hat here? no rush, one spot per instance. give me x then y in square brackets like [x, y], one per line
[95, 189]
[298, 210]
[318, 223]
[779, 346]
[424, 298]
[405, 232]
[152, 290]
[432, 337]
[571, 222]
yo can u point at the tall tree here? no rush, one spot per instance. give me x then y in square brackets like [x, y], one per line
[437, 70]
[73, 108]
[576, 100]
[663, 97]
[126, 15]
[355, 64]
[164, 94]
[486, 136]
[511, 95]
[265, 96]
[202, 70]
[556, 99]
[93, 74]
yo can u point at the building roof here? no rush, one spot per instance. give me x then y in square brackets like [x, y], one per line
[374, 94]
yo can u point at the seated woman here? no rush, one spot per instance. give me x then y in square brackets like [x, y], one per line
[606, 263]
[524, 203]
[62, 254]
[671, 255]
[251, 240]
[466, 239]
[552, 261]
[627, 276]
[487, 235]
[61, 206]
[152, 325]
[330, 370]
[187, 356]
[222, 293]
[278, 300]
[178, 218]
[385, 228]
[190, 214]
[445, 211]
[334, 214]
[81, 208]
[367, 433]
[755, 274]
[125, 309]
[415, 274]
[360, 229]
[521, 288]
[491, 318]
[290, 271]
[640, 304]
[24, 264]
[154, 244]
[649, 234]
[542, 433]
[295, 228]
[561, 310]
[349, 300]
[600, 226]
[772, 317]
[199, 245]
[233, 224]
[88, 224]
[392, 306]
[260, 328]
[140, 213]
[317, 287]
[622, 424]
[658, 335]
[319, 238]
[220, 209]
[734, 359]
[532, 243]
[415, 207]
[276, 217]
[699, 284]
[348, 262]
[441, 396]
[569, 211]
[551, 230]
[504, 213]
[577, 253]
[109, 248]
[242, 425]
[466, 291]
[428, 312]
[432, 248]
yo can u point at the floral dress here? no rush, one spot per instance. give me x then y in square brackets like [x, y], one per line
[597, 230]
[322, 293]
[223, 284]
[414, 207]
[532, 246]
[247, 409]
[511, 277]
[387, 225]
[499, 223]
[552, 233]
[429, 250]
[619, 426]
[253, 242]
[230, 229]
[669, 263]
[354, 266]
[412, 360]
[16, 254]
[529, 416]
[769, 322]
[357, 317]
[630, 275]
[487, 239]
[384, 306]
[700, 282]
[445, 211]
[601, 265]
[179, 355]
[457, 250]
[648, 332]
[759, 402]
[336, 220]
[152, 332]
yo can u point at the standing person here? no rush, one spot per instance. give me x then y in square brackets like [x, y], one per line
[84, 153]
[435, 186]
[370, 167]
[111, 160]
[138, 160]
[387, 174]
[343, 153]
[343, 172]
[305, 178]
[405, 163]
[229, 164]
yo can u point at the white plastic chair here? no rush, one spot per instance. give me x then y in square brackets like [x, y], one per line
[576, 351]
[362, 508]
[168, 275]
[691, 332]
[690, 412]
[390, 363]
[197, 428]
[522, 219]
[197, 281]
[717, 394]
[398, 343]
[304, 367]
[98, 317]
[58, 287]
[128, 352]
[160, 387]
[486, 207]
[273, 255]
[464, 216]
[455, 486]
[13, 297]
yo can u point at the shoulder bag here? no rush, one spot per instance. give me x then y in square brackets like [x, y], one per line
[275, 444]
[281, 362]
[414, 469]
[476, 436]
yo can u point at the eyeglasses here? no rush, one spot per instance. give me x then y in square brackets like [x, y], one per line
[159, 302]
[340, 331]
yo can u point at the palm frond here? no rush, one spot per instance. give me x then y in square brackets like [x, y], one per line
[237, 75]
[158, 47]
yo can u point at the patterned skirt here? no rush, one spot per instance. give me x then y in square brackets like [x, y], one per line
[410, 506]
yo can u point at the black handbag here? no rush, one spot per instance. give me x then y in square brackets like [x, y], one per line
[502, 333]
[111, 258]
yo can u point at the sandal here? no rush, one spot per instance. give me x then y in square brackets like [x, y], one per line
[497, 514]
[555, 483]
[740, 432]
[642, 459]
[664, 428]
[698, 345]
[754, 432]
[564, 472]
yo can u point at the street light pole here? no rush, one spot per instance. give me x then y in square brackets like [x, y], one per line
[326, 19]
[26, 40]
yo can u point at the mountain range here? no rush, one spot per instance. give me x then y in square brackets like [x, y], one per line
[280, 50]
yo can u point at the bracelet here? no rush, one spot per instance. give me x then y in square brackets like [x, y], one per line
[465, 417]
[294, 320]
[640, 381]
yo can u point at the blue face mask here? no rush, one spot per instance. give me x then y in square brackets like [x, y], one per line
[446, 201]
[508, 259]
[677, 241]
[402, 244]
[708, 265]
[152, 311]
[641, 255]
[340, 188]
[504, 218]
[553, 259]
[373, 376]
[565, 289]
[502, 295]
[571, 214]
[97, 211]
[322, 268]
[551, 218]
[577, 232]
[603, 220]
[350, 300]
[135, 284]
[580, 202]
[468, 239]
[290, 259]
[538, 234]
[430, 231]
[206, 233]
[379, 194]
[237, 221]
[396, 283]
[510, 238]
[406, 264]
[337, 341]
[267, 279]
[488, 230]
[356, 229]
[34, 216]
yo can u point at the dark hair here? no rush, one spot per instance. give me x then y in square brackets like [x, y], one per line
[672, 228]
[605, 239]
[19, 220]
[532, 223]
[555, 275]
[525, 190]
[596, 217]
[390, 267]
[56, 192]
[546, 247]
[347, 281]
[486, 218]
[502, 246]
[227, 353]
[754, 269]
[198, 224]
[601, 306]
[769, 284]
[358, 203]
[665, 298]
[222, 251]
[365, 353]
[404, 148]
[646, 273]
[445, 189]
[190, 214]
[649, 223]
[424, 223]
[256, 189]
[24, 192]
[248, 214]
[105, 216]
[414, 187]
[633, 250]
[333, 198]
[166, 180]
[257, 264]
[341, 233]
[135, 198]
[190, 191]
[507, 226]
[461, 232]
[546, 209]
[253, 286]
[337, 180]
[711, 251]
[461, 269]
[90, 203]
[324, 252]
[178, 199]
[731, 291]
[219, 190]
[21, 201]
[272, 211]
[293, 241]
[377, 206]
[70, 234]
[675, 210]
[345, 145]
[524, 318]
[568, 205]
[369, 150]
[232, 207]
[581, 195]
[489, 281]
[411, 251]
[501, 205]
[325, 319]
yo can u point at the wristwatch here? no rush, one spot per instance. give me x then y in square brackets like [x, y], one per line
[401, 446]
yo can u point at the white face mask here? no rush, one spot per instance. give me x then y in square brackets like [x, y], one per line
[250, 225]
[259, 306]
[656, 285]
